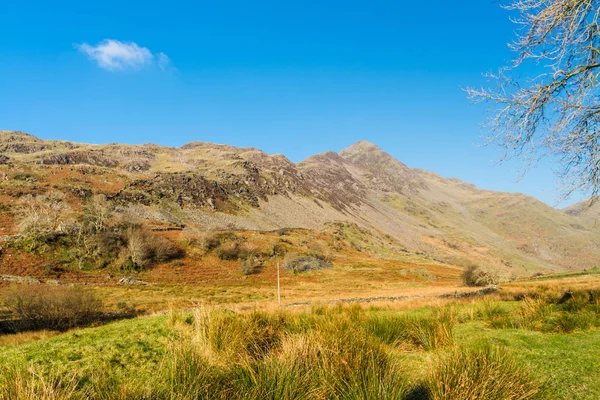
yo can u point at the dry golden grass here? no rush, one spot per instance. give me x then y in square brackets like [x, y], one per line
[552, 284]
[25, 337]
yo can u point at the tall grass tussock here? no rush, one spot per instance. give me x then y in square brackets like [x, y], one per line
[573, 311]
[486, 372]
[327, 352]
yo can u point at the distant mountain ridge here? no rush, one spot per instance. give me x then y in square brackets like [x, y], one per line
[211, 186]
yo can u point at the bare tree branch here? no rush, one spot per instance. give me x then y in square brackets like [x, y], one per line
[558, 111]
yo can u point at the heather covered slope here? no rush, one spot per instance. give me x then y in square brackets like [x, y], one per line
[203, 186]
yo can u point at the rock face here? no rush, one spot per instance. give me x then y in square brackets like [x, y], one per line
[204, 185]
[89, 157]
[381, 171]
[332, 181]
[186, 189]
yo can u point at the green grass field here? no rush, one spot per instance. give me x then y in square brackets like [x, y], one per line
[348, 352]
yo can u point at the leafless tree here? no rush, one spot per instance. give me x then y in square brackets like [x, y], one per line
[41, 218]
[97, 212]
[557, 111]
[138, 249]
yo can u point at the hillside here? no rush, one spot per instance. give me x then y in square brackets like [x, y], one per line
[202, 187]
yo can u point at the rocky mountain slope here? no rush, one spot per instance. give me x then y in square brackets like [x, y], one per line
[205, 186]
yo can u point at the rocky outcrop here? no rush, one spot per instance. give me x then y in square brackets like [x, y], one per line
[185, 189]
[23, 148]
[330, 180]
[137, 166]
[90, 157]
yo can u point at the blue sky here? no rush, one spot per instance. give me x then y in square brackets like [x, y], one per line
[288, 77]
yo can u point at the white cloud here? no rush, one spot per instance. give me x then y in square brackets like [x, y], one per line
[114, 55]
[163, 60]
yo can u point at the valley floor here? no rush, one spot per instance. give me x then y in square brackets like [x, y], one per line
[556, 343]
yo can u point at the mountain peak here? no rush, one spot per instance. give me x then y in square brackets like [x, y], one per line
[367, 154]
[360, 147]
[382, 171]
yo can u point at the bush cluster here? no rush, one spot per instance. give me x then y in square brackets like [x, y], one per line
[214, 240]
[229, 246]
[91, 239]
[37, 307]
[298, 263]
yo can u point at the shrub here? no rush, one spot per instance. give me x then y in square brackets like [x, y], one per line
[595, 300]
[229, 252]
[317, 249]
[212, 241]
[55, 308]
[164, 250]
[479, 373]
[479, 276]
[575, 301]
[236, 251]
[251, 265]
[107, 245]
[143, 249]
[138, 252]
[296, 263]
[275, 250]
[24, 177]
[283, 231]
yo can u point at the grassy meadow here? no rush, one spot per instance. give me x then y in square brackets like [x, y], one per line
[535, 341]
